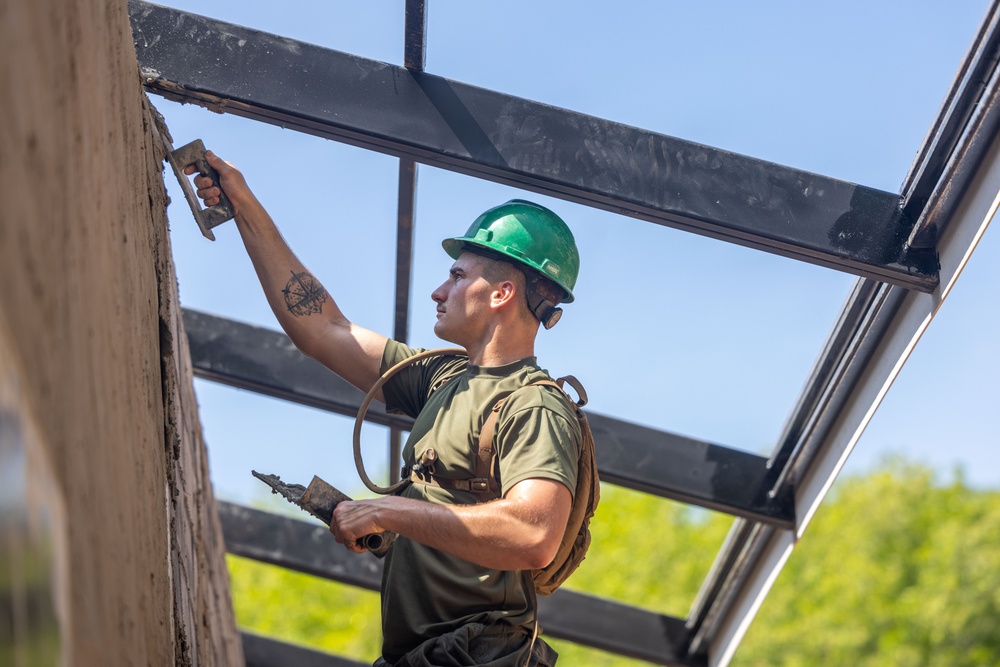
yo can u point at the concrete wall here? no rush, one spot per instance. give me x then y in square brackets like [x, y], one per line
[97, 414]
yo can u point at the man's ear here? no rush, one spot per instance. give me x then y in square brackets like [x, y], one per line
[503, 294]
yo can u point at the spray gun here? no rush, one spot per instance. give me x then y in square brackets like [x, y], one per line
[320, 499]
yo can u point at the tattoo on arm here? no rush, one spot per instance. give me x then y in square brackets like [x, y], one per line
[304, 295]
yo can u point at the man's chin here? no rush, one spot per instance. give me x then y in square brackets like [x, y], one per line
[442, 332]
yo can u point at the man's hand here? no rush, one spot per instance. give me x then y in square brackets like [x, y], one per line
[353, 520]
[231, 182]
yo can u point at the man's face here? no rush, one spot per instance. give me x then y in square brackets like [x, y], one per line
[463, 302]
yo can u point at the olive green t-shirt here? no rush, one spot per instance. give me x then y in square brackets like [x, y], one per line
[426, 592]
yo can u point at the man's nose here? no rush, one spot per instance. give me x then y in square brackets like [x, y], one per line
[438, 295]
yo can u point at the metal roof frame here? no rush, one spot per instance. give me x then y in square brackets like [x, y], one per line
[908, 249]
[429, 119]
[637, 457]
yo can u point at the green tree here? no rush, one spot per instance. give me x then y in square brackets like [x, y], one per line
[302, 609]
[645, 552]
[894, 570]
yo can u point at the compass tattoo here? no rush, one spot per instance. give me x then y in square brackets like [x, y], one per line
[304, 295]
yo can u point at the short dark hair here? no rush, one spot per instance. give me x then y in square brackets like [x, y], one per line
[497, 270]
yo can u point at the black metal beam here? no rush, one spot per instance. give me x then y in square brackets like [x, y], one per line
[266, 362]
[297, 545]
[616, 628]
[265, 652]
[583, 619]
[405, 216]
[637, 457]
[415, 29]
[414, 58]
[852, 344]
[529, 145]
[688, 470]
[960, 134]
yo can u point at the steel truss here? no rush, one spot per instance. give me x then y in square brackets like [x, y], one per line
[533, 146]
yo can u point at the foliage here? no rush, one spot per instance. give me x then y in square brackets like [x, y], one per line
[646, 552]
[895, 569]
[305, 610]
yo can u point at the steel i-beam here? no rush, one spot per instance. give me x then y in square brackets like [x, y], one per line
[637, 457]
[526, 144]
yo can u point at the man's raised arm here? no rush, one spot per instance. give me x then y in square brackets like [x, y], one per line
[304, 308]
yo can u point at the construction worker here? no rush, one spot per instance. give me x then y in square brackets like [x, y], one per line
[454, 590]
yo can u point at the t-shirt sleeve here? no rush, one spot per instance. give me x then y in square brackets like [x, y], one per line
[539, 442]
[407, 391]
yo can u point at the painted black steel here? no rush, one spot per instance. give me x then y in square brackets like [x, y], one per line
[414, 58]
[265, 652]
[266, 362]
[637, 457]
[961, 133]
[405, 217]
[752, 539]
[849, 349]
[706, 603]
[603, 624]
[415, 28]
[526, 144]
[297, 545]
[617, 628]
[688, 470]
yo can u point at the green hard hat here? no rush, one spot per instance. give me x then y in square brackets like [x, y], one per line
[527, 234]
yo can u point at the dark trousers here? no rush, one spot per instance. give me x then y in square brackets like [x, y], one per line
[478, 645]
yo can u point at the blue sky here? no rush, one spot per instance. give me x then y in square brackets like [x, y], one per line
[669, 329]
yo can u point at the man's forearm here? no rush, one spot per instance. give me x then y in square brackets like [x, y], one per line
[488, 534]
[302, 305]
[521, 531]
[305, 310]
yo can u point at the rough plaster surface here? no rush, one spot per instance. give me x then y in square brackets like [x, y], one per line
[89, 313]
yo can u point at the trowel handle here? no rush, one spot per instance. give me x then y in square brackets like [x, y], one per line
[194, 153]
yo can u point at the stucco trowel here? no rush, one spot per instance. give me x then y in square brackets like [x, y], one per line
[320, 499]
[194, 153]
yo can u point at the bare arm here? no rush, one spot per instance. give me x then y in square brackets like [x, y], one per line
[304, 308]
[520, 531]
